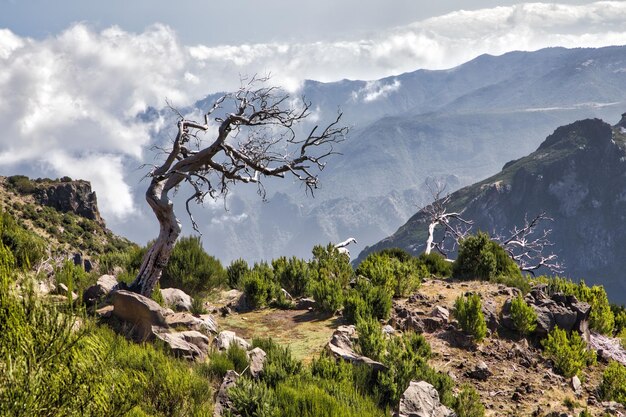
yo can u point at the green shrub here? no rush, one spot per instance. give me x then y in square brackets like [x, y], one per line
[251, 399]
[52, 367]
[366, 300]
[259, 286]
[328, 294]
[371, 342]
[481, 258]
[402, 277]
[234, 358]
[523, 316]
[467, 403]
[191, 269]
[74, 276]
[619, 314]
[569, 354]
[28, 248]
[613, 385]
[468, 311]
[22, 184]
[279, 364]
[235, 273]
[293, 275]
[406, 359]
[436, 264]
[328, 263]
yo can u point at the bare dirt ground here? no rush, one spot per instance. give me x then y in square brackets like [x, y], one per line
[521, 383]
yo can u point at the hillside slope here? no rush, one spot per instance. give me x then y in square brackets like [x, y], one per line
[577, 177]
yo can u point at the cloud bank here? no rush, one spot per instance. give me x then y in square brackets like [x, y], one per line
[69, 102]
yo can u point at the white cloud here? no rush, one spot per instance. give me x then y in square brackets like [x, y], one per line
[69, 102]
[374, 90]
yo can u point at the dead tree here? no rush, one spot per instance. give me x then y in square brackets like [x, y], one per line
[255, 141]
[528, 248]
[455, 227]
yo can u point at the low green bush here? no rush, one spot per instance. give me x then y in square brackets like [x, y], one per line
[523, 316]
[293, 275]
[481, 258]
[613, 385]
[467, 403]
[191, 269]
[234, 358]
[436, 264]
[367, 300]
[397, 271]
[371, 342]
[235, 273]
[259, 285]
[28, 248]
[279, 364]
[468, 311]
[73, 276]
[569, 354]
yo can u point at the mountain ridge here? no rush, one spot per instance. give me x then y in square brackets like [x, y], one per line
[576, 177]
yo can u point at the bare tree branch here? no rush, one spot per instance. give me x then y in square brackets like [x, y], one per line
[527, 246]
[244, 149]
[455, 227]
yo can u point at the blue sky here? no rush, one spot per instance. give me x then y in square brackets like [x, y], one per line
[74, 73]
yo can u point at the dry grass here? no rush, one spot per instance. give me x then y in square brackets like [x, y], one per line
[305, 332]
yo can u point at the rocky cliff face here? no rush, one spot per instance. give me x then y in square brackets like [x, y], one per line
[578, 177]
[72, 196]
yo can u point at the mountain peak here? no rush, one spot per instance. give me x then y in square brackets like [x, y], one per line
[581, 132]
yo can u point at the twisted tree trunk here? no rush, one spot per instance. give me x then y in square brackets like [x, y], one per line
[159, 253]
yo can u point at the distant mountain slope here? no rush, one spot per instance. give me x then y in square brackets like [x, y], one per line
[578, 177]
[463, 124]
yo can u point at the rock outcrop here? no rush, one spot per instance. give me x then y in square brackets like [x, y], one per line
[97, 292]
[341, 346]
[564, 311]
[176, 299]
[187, 336]
[422, 400]
[70, 197]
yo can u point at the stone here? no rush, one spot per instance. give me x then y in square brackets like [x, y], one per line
[256, 358]
[204, 323]
[432, 324]
[191, 345]
[305, 303]
[225, 338]
[576, 385]
[341, 346]
[222, 402]
[388, 330]
[422, 400]
[481, 372]
[489, 310]
[97, 292]
[440, 312]
[142, 312]
[176, 299]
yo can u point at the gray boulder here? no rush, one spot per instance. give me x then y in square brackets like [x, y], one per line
[256, 358]
[226, 338]
[176, 299]
[97, 292]
[340, 346]
[422, 400]
[222, 402]
[189, 344]
[204, 323]
[142, 312]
